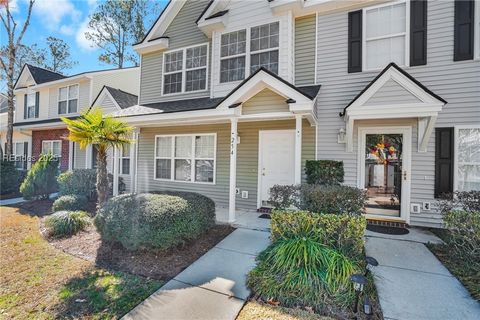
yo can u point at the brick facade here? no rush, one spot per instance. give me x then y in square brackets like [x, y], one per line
[54, 134]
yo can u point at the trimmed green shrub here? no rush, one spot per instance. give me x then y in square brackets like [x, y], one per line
[10, 177]
[283, 197]
[344, 233]
[324, 172]
[66, 223]
[155, 220]
[41, 180]
[332, 199]
[464, 237]
[83, 182]
[70, 202]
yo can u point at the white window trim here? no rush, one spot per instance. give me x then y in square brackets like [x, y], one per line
[172, 158]
[406, 33]
[121, 157]
[28, 106]
[248, 52]
[184, 70]
[455, 152]
[68, 97]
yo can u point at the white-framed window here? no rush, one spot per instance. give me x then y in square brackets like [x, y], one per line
[185, 70]
[186, 158]
[467, 158]
[386, 35]
[243, 52]
[125, 160]
[20, 155]
[68, 99]
[31, 100]
[52, 146]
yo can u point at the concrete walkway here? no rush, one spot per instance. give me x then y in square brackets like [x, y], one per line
[213, 287]
[7, 202]
[412, 283]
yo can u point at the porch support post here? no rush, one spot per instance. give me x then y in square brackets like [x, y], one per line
[233, 169]
[298, 149]
[88, 156]
[133, 161]
[71, 145]
[115, 171]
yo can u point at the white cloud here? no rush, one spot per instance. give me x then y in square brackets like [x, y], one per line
[67, 30]
[80, 38]
[53, 12]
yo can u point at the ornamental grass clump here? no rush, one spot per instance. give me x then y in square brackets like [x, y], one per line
[310, 261]
[66, 223]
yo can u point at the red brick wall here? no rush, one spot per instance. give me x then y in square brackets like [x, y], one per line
[57, 134]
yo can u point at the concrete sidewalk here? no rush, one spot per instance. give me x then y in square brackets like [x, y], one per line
[7, 202]
[213, 287]
[413, 284]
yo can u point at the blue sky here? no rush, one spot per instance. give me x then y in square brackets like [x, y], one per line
[67, 20]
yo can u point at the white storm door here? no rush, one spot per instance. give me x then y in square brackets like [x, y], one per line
[276, 161]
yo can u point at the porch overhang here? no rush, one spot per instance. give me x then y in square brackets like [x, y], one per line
[419, 102]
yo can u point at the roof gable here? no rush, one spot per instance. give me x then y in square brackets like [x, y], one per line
[392, 92]
[120, 98]
[32, 75]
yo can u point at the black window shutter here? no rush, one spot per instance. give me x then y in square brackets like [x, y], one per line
[443, 161]
[37, 102]
[418, 32]
[463, 30]
[24, 106]
[25, 153]
[355, 41]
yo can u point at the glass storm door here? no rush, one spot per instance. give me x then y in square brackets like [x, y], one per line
[383, 174]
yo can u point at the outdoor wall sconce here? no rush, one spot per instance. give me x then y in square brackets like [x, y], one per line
[359, 281]
[341, 137]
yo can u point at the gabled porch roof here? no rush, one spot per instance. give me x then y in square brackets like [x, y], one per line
[395, 94]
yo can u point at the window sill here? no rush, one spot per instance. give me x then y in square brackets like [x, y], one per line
[183, 93]
[189, 182]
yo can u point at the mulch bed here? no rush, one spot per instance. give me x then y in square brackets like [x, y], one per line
[161, 265]
[36, 207]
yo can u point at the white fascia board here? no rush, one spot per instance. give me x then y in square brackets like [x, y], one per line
[22, 75]
[55, 83]
[101, 97]
[261, 81]
[165, 19]
[391, 111]
[215, 24]
[301, 107]
[187, 116]
[155, 45]
[42, 126]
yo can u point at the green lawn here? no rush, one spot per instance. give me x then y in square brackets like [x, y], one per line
[41, 282]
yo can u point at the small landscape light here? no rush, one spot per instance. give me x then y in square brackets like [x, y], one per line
[371, 262]
[367, 306]
[359, 281]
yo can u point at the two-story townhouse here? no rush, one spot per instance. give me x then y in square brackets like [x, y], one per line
[235, 96]
[43, 97]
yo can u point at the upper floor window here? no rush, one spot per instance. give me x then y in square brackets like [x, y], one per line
[31, 97]
[68, 99]
[185, 70]
[385, 36]
[259, 45]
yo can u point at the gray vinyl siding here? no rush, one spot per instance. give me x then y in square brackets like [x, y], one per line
[107, 104]
[265, 101]
[247, 159]
[79, 157]
[182, 32]
[391, 93]
[305, 50]
[456, 82]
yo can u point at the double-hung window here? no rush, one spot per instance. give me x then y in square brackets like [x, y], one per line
[54, 147]
[31, 97]
[68, 99]
[20, 156]
[264, 47]
[260, 44]
[125, 160]
[467, 158]
[233, 49]
[185, 70]
[188, 158]
[385, 35]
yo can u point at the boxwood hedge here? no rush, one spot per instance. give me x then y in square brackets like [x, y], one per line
[158, 221]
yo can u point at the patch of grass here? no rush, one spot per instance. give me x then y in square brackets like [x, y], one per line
[261, 311]
[467, 273]
[41, 282]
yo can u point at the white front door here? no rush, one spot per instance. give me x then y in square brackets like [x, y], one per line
[276, 163]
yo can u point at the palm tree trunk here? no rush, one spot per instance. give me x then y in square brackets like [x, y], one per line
[102, 176]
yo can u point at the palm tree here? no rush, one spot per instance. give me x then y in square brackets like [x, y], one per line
[103, 132]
